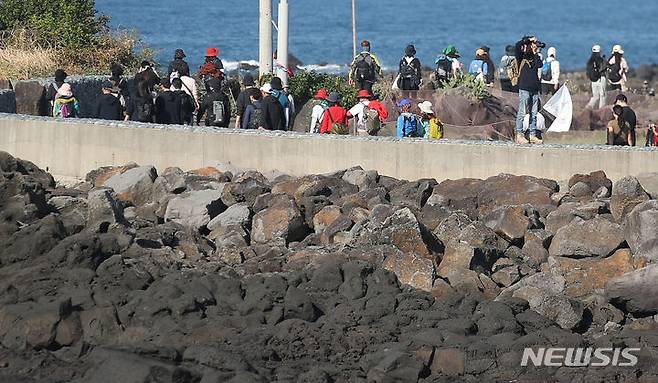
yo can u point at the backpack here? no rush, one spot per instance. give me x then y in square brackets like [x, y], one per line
[337, 127]
[503, 70]
[145, 112]
[410, 126]
[407, 71]
[371, 120]
[443, 68]
[593, 70]
[546, 71]
[257, 119]
[66, 110]
[614, 72]
[218, 116]
[364, 67]
[318, 124]
[514, 71]
[435, 128]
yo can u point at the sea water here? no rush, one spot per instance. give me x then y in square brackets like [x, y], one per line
[321, 30]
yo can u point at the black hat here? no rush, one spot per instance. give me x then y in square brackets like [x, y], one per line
[179, 54]
[248, 80]
[410, 50]
[276, 83]
[60, 75]
[510, 50]
[334, 97]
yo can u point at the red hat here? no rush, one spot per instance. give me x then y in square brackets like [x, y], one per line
[364, 93]
[212, 52]
[322, 94]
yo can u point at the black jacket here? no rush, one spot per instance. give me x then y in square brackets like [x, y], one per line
[411, 83]
[108, 107]
[168, 108]
[206, 108]
[273, 114]
[528, 72]
[145, 104]
[179, 65]
[243, 101]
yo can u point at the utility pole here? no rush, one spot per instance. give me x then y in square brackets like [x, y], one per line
[282, 42]
[354, 27]
[265, 37]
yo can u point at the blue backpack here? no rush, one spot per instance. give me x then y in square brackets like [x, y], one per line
[282, 97]
[410, 126]
[546, 73]
[476, 67]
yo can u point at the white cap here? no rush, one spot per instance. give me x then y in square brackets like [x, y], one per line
[267, 88]
[596, 49]
[426, 107]
[551, 52]
[617, 49]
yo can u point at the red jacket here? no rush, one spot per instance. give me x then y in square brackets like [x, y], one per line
[335, 114]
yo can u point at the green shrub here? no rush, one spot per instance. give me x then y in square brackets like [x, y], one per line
[474, 89]
[57, 23]
[305, 84]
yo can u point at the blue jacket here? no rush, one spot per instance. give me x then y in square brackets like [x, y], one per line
[408, 126]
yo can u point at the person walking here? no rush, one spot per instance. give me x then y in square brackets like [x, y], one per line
[409, 73]
[616, 69]
[479, 67]
[319, 109]
[178, 65]
[448, 66]
[550, 73]
[529, 64]
[168, 105]
[244, 98]
[335, 119]
[272, 110]
[212, 67]
[365, 68]
[504, 70]
[65, 104]
[285, 100]
[108, 106]
[148, 74]
[431, 124]
[141, 107]
[254, 117]
[596, 68]
[187, 103]
[215, 106]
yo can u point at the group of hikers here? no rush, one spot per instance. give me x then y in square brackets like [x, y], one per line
[269, 106]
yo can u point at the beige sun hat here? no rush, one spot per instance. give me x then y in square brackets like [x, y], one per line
[65, 90]
[617, 49]
[426, 107]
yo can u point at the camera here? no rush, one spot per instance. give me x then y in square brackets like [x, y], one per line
[527, 40]
[541, 44]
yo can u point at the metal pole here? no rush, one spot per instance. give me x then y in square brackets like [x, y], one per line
[354, 27]
[265, 37]
[282, 42]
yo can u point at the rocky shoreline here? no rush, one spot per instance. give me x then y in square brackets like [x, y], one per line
[140, 274]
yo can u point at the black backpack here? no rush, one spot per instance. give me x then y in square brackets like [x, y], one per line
[614, 71]
[216, 114]
[407, 71]
[364, 67]
[594, 70]
[257, 119]
[443, 69]
[145, 111]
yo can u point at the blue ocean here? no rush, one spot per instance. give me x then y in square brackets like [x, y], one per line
[321, 30]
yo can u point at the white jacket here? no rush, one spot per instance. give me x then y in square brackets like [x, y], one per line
[555, 71]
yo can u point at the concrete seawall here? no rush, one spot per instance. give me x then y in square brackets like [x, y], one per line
[74, 147]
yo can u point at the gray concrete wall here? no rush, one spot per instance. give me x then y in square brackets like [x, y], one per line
[74, 147]
[7, 101]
